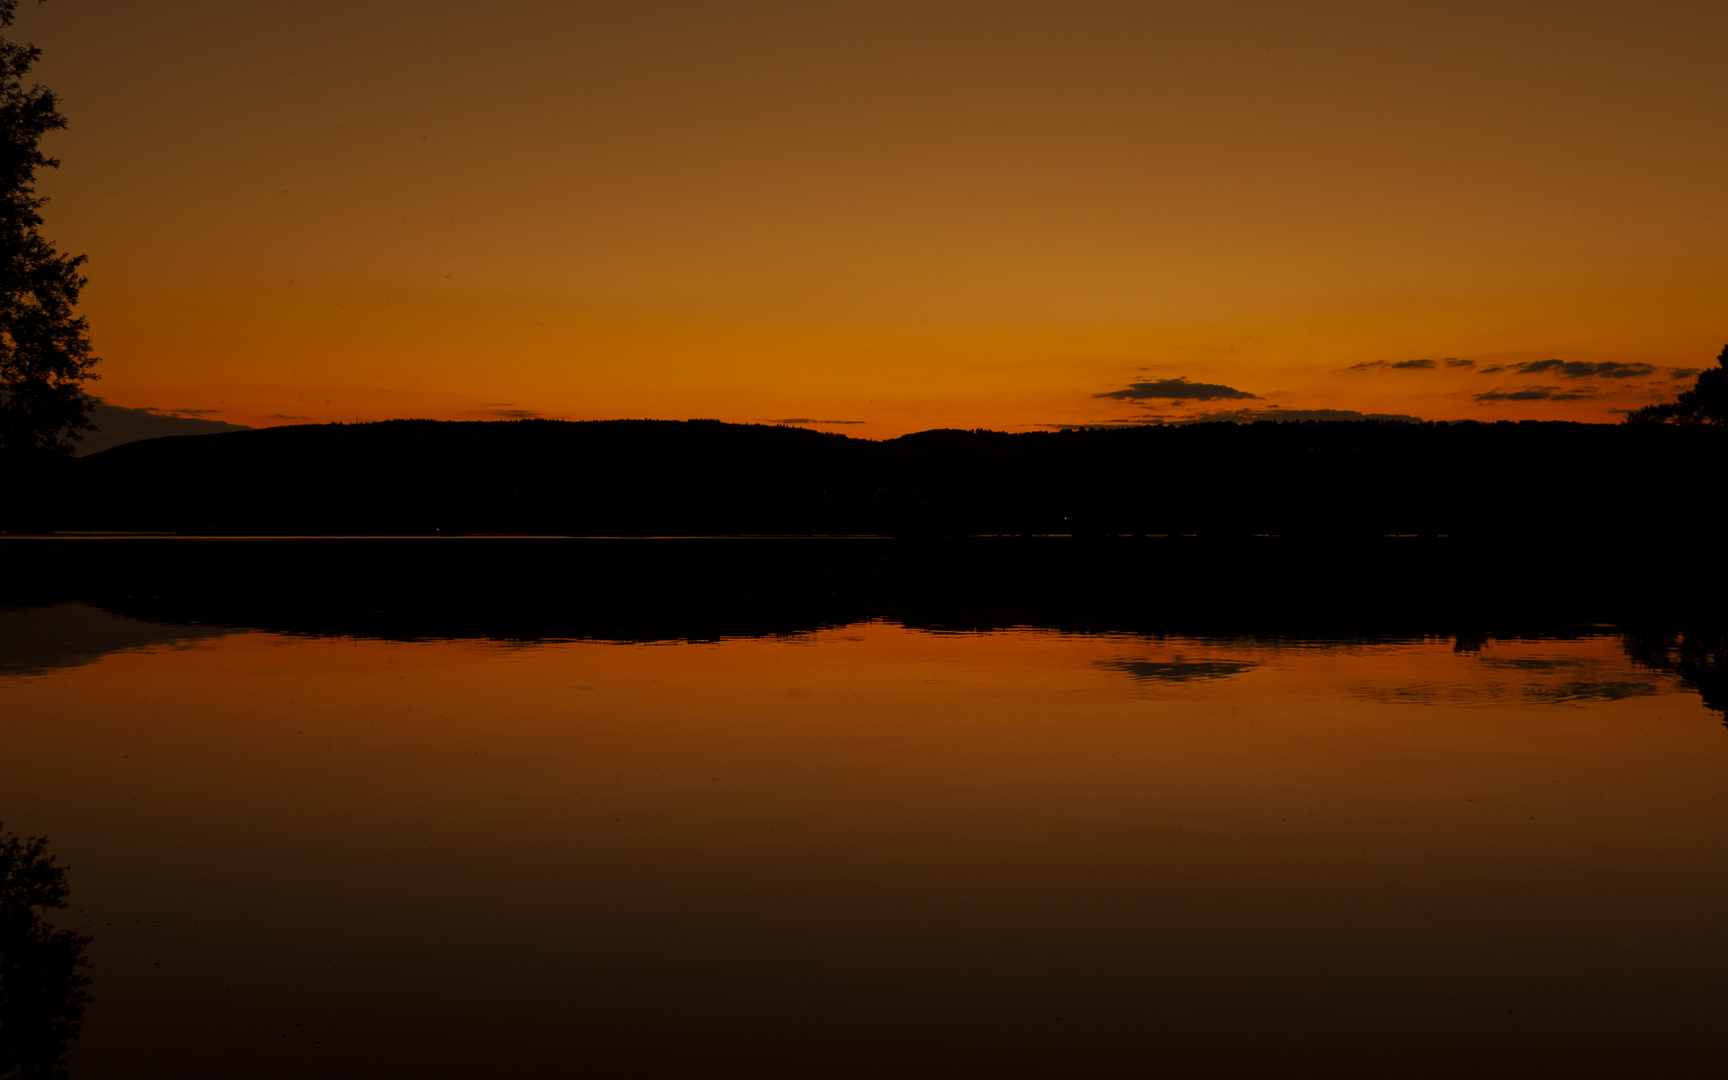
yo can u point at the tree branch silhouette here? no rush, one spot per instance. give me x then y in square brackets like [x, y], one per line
[1705, 403]
[44, 346]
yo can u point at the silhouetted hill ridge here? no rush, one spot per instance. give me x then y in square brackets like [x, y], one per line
[707, 477]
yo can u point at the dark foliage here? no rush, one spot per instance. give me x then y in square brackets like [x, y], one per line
[1521, 483]
[1699, 660]
[44, 347]
[44, 987]
[1705, 403]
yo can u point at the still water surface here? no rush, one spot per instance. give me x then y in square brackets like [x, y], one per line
[873, 851]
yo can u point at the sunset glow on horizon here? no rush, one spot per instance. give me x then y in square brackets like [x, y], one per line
[882, 218]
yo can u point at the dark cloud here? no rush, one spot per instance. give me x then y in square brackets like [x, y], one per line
[1684, 372]
[285, 416]
[505, 410]
[1290, 416]
[1584, 369]
[1176, 390]
[1494, 369]
[1402, 365]
[1178, 670]
[1453, 361]
[1537, 393]
[807, 420]
[117, 424]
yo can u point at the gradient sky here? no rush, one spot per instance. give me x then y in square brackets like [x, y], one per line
[912, 215]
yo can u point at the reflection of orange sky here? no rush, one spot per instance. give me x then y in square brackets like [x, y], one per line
[871, 728]
[299, 838]
[903, 214]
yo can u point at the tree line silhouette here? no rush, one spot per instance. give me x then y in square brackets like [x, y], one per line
[1529, 480]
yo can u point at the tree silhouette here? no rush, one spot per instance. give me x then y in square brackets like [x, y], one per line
[43, 980]
[1705, 403]
[44, 347]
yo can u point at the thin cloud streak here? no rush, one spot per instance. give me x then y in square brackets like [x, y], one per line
[1537, 393]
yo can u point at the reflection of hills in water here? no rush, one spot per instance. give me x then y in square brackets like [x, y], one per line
[34, 641]
[150, 593]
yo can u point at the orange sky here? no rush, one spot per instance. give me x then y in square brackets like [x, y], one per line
[907, 214]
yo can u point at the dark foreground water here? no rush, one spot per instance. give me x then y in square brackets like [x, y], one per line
[870, 847]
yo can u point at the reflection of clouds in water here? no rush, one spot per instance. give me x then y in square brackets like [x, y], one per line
[1178, 670]
[1537, 662]
[1457, 694]
[1528, 663]
[1521, 679]
[1592, 691]
[1455, 679]
[1420, 694]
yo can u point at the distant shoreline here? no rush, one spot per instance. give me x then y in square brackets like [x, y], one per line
[1528, 482]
